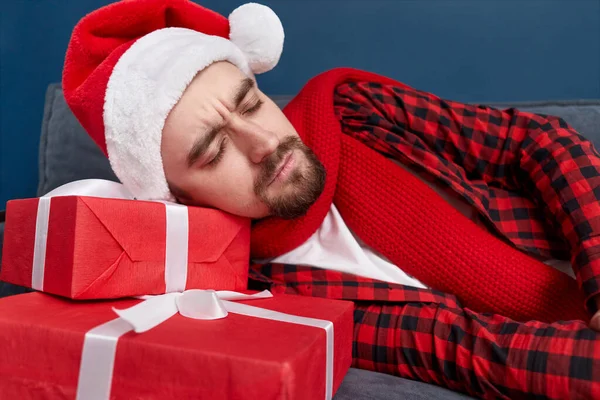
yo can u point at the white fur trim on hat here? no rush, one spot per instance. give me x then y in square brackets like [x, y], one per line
[258, 32]
[146, 83]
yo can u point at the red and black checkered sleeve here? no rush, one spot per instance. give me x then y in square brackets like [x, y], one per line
[540, 156]
[487, 356]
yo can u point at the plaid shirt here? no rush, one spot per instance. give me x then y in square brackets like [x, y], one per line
[531, 177]
[535, 181]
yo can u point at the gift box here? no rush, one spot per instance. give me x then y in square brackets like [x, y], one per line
[86, 247]
[43, 340]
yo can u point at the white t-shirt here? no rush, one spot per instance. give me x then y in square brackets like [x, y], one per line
[333, 246]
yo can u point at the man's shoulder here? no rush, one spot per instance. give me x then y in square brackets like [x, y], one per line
[337, 76]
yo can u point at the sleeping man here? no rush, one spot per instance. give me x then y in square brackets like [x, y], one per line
[438, 219]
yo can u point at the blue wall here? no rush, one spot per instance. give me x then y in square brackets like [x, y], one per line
[469, 50]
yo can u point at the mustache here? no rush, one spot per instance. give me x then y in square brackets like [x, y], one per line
[273, 161]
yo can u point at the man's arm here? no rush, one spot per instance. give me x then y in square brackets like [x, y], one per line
[539, 155]
[484, 355]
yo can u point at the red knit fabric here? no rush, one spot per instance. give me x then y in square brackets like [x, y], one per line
[402, 218]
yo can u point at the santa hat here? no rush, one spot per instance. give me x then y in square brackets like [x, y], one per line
[129, 63]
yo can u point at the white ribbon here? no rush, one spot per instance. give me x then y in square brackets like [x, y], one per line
[176, 251]
[100, 343]
[98, 359]
[39, 247]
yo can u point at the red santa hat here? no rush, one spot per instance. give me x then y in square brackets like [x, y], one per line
[128, 64]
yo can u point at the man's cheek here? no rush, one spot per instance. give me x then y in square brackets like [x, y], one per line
[232, 183]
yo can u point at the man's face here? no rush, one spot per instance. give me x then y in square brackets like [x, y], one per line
[226, 145]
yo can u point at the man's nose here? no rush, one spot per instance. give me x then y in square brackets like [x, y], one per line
[255, 141]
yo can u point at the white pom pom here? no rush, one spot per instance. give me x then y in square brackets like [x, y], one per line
[258, 32]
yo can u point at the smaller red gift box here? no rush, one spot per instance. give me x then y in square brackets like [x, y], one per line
[42, 339]
[92, 247]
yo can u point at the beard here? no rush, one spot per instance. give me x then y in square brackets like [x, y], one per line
[301, 189]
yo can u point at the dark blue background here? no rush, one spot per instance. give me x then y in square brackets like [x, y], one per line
[468, 50]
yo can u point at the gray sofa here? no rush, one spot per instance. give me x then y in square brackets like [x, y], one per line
[67, 153]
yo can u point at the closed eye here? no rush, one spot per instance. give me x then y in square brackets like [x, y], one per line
[254, 108]
[220, 154]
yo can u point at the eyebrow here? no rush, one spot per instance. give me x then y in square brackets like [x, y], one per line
[242, 90]
[204, 141]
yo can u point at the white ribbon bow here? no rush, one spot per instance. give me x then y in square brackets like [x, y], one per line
[194, 303]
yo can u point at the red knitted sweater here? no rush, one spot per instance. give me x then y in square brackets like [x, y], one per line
[403, 219]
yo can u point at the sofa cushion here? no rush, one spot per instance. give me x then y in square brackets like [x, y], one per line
[67, 152]
[582, 115]
[366, 385]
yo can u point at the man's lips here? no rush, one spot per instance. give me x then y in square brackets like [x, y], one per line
[284, 168]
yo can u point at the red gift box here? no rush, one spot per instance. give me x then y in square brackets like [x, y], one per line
[110, 248]
[237, 357]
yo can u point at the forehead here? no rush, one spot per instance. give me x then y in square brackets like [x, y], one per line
[219, 79]
[201, 106]
[210, 90]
